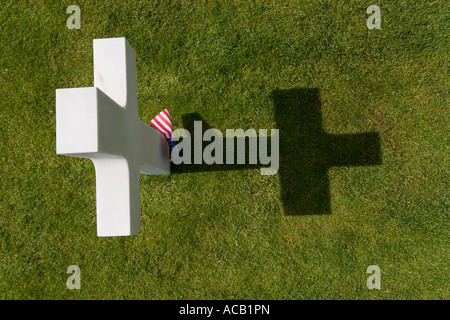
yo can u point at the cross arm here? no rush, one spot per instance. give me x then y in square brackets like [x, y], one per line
[89, 124]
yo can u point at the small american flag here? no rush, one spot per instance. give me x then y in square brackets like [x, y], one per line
[163, 124]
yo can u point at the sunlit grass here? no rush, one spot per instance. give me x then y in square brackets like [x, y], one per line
[224, 235]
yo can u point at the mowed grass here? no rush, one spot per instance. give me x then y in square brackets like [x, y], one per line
[224, 234]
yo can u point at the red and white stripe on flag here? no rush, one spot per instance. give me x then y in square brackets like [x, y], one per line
[163, 124]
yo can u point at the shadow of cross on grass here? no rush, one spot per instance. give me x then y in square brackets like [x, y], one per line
[306, 151]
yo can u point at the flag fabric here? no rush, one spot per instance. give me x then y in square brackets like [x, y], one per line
[163, 124]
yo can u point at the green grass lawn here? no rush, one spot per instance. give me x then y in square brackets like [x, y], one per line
[225, 234]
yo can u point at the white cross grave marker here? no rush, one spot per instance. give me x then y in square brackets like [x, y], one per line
[102, 123]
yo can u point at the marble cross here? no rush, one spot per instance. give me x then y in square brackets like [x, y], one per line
[102, 123]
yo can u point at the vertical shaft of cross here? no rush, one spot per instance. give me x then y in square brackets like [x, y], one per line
[117, 178]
